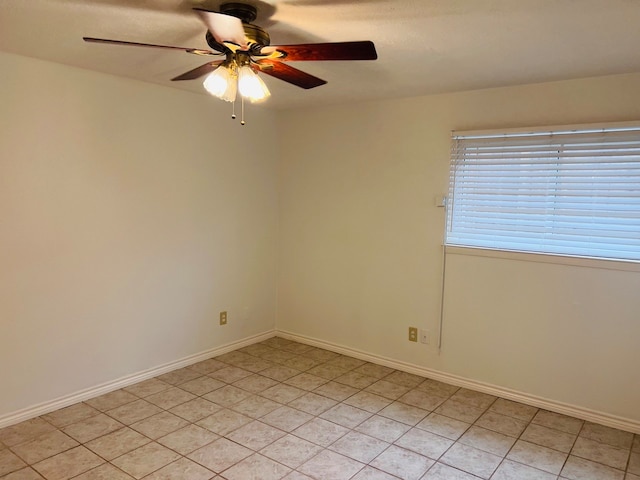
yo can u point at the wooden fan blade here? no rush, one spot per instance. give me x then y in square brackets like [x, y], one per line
[195, 51]
[364, 50]
[224, 28]
[289, 74]
[198, 72]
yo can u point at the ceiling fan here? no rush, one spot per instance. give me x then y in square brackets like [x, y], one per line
[247, 50]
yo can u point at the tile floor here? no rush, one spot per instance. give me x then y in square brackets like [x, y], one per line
[283, 410]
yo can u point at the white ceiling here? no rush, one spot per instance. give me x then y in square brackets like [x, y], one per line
[424, 46]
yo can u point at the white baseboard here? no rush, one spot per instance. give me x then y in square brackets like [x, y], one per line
[601, 418]
[46, 407]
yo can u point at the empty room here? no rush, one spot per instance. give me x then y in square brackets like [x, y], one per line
[319, 240]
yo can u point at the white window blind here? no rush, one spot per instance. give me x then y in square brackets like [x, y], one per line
[571, 192]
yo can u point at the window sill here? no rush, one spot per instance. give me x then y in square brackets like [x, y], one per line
[607, 264]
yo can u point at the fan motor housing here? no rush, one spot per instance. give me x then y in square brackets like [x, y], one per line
[246, 13]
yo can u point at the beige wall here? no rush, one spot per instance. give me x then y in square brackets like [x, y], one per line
[361, 260]
[130, 215]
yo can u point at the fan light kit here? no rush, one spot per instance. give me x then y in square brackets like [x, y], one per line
[247, 52]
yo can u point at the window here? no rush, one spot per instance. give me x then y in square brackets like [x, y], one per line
[564, 191]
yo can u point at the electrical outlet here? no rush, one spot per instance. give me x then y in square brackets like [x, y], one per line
[424, 336]
[223, 318]
[413, 334]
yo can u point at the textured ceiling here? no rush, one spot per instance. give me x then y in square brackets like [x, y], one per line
[424, 46]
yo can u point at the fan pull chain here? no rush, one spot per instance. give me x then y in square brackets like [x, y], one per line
[242, 119]
[233, 112]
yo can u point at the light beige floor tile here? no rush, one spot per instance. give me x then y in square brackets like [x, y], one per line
[181, 469]
[509, 470]
[312, 403]
[405, 379]
[548, 437]
[169, 398]
[253, 364]
[148, 387]
[255, 383]
[229, 374]
[279, 356]
[105, 471]
[145, 460]
[539, 457]
[386, 389]
[473, 398]
[224, 421]
[256, 435]
[501, 424]
[188, 439]
[24, 474]
[196, 409]
[370, 402]
[93, 427]
[280, 373]
[608, 435]
[374, 370]
[383, 428]
[636, 443]
[282, 393]
[424, 443]
[558, 422]
[177, 377]
[359, 446]
[370, 473]
[580, 469]
[329, 465]
[72, 414]
[220, 455]
[437, 388]
[444, 426]
[486, 440]
[286, 418]
[68, 464]
[344, 361]
[631, 476]
[227, 396]
[291, 451]
[453, 408]
[159, 425]
[44, 446]
[440, 471]
[255, 406]
[328, 372]
[321, 355]
[402, 463]
[336, 391]
[256, 467]
[601, 453]
[422, 399]
[321, 432]
[471, 460]
[202, 385]
[257, 349]
[634, 463]
[346, 415]
[356, 380]
[10, 462]
[306, 381]
[513, 409]
[207, 366]
[404, 413]
[300, 362]
[297, 348]
[111, 400]
[117, 443]
[134, 412]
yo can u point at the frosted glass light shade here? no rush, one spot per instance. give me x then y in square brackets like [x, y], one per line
[251, 85]
[222, 83]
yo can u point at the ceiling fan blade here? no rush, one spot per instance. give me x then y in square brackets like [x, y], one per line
[364, 50]
[198, 72]
[224, 28]
[289, 74]
[195, 51]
